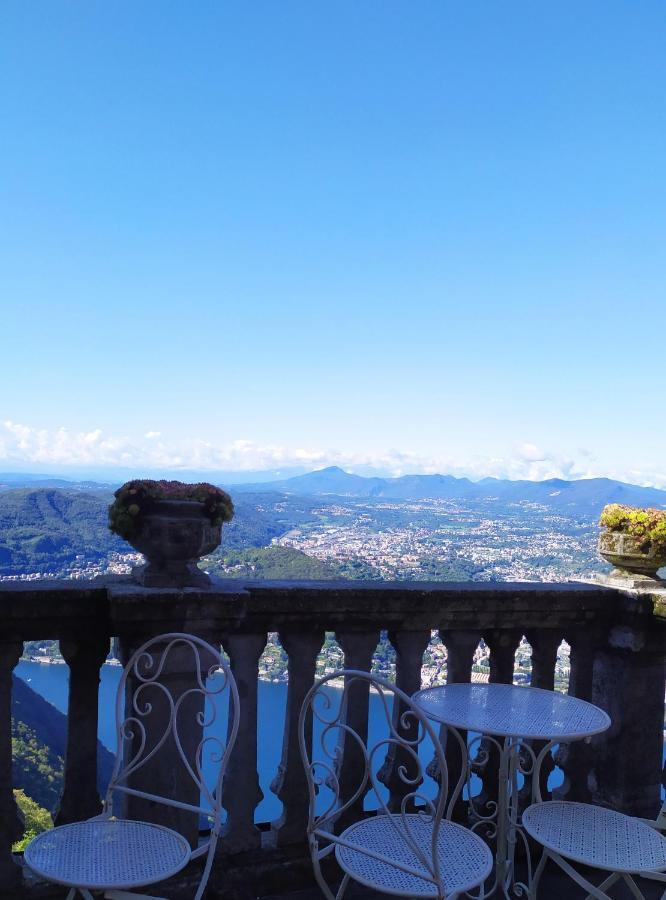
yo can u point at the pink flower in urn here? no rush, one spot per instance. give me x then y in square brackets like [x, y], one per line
[136, 497]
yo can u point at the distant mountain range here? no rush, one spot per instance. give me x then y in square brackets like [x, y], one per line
[588, 494]
[13, 480]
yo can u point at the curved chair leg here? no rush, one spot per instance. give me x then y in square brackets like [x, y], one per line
[578, 878]
[323, 884]
[534, 884]
[633, 887]
[342, 888]
[609, 882]
[208, 866]
[631, 883]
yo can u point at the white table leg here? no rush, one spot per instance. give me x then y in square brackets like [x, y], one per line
[494, 825]
[506, 818]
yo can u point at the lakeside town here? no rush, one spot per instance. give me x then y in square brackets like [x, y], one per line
[273, 663]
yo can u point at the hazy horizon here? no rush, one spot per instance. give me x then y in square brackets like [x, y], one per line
[113, 476]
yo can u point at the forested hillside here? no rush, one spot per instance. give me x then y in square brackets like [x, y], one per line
[45, 530]
[271, 563]
[39, 733]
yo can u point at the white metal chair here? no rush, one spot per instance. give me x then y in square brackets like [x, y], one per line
[414, 851]
[113, 854]
[600, 838]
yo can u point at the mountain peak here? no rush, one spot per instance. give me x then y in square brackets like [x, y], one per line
[591, 494]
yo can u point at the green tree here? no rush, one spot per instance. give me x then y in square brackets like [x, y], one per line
[36, 818]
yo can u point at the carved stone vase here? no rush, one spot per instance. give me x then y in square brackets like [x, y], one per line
[624, 552]
[173, 535]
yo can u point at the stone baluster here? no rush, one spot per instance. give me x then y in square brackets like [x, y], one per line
[80, 798]
[575, 759]
[290, 784]
[409, 648]
[11, 819]
[503, 645]
[358, 648]
[544, 657]
[460, 647]
[241, 793]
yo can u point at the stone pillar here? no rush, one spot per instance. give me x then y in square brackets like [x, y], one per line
[11, 819]
[358, 649]
[628, 682]
[409, 648]
[290, 784]
[241, 793]
[80, 798]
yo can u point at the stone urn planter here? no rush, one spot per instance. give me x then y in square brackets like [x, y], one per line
[625, 553]
[173, 524]
[173, 536]
[633, 540]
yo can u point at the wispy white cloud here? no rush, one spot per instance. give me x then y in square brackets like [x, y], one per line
[22, 444]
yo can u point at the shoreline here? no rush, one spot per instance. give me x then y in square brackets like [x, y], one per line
[59, 661]
[337, 683]
[116, 664]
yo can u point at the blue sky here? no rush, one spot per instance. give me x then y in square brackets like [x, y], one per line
[416, 235]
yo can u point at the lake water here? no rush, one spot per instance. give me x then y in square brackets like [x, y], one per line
[51, 681]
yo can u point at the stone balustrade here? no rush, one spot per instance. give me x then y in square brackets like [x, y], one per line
[617, 661]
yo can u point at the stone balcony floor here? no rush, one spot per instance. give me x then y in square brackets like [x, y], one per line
[241, 885]
[555, 885]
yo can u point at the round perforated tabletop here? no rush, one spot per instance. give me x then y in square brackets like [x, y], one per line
[510, 711]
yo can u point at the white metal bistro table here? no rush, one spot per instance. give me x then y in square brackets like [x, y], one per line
[507, 718]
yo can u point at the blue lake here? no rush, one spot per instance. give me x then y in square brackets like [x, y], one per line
[51, 681]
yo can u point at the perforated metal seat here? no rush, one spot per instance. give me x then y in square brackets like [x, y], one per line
[596, 837]
[464, 859]
[108, 853]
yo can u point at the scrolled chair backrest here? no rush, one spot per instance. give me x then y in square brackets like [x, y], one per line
[176, 695]
[324, 733]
